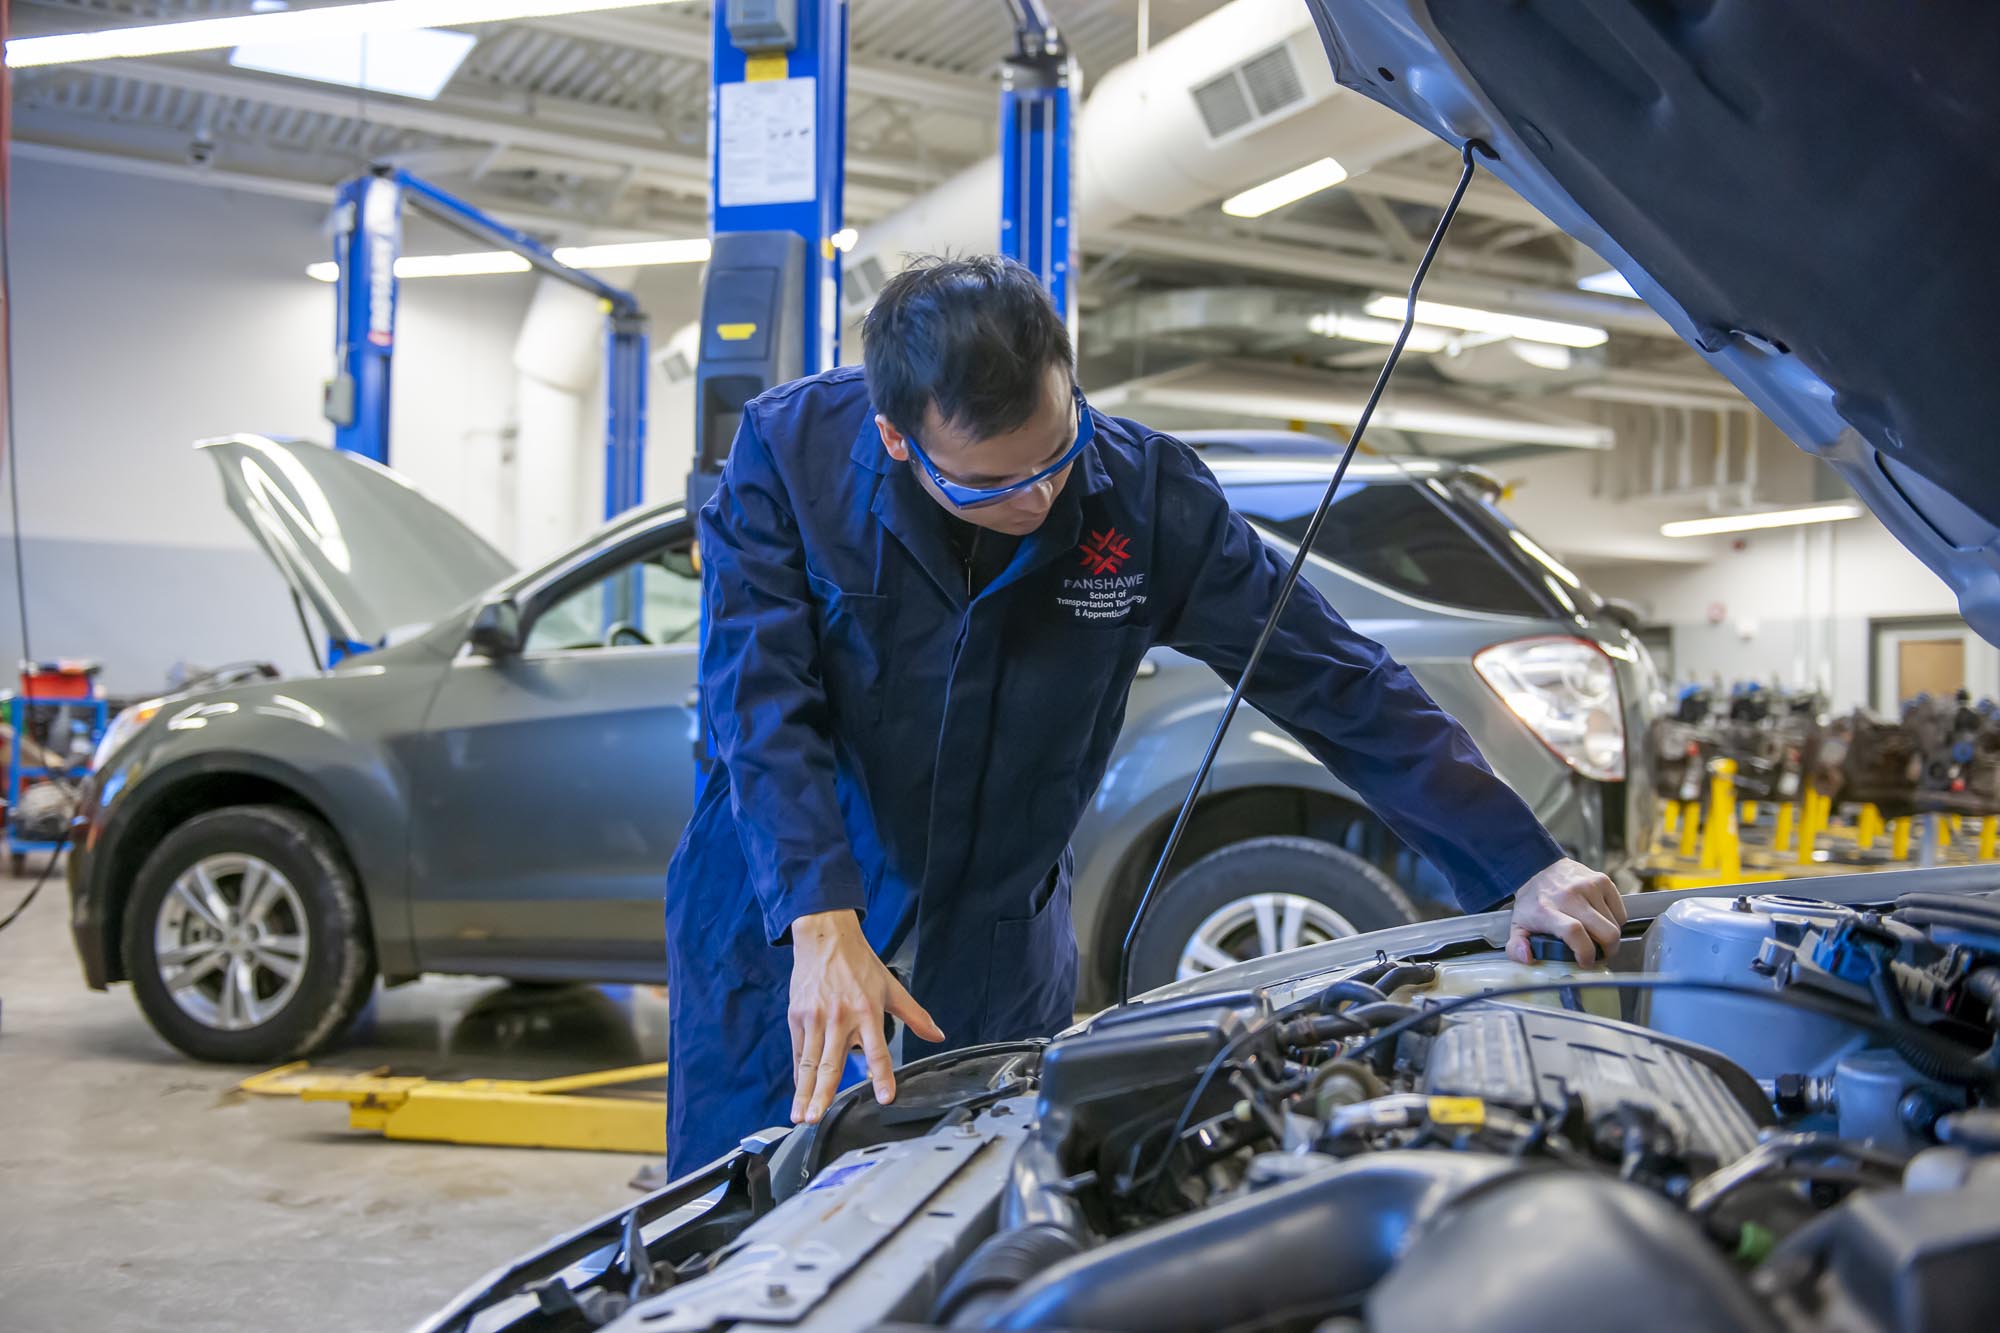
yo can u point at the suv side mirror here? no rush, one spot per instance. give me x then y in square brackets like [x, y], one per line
[496, 630]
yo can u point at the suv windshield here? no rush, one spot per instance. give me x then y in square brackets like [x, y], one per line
[1440, 541]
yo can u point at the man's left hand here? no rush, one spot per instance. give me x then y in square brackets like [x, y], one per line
[1572, 902]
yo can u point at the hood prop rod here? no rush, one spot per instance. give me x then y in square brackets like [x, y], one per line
[1305, 546]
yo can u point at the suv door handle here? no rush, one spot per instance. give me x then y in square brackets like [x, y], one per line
[1147, 667]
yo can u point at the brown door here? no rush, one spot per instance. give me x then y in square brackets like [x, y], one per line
[1930, 666]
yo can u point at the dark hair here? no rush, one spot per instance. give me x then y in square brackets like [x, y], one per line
[975, 336]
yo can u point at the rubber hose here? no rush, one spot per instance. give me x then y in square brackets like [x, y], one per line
[1000, 1264]
[1949, 902]
[1406, 974]
[1379, 1015]
[1933, 1065]
[1358, 992]
[1940, 916]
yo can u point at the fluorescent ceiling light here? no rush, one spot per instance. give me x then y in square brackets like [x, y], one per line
[1362, 329]
[418, 63]
[437, 266]
[634, 253]
[1491, 321]
[1610, 282]
[1311, 178]
[844, 239]
[288, 27]
[630, 254]
[1769, 518]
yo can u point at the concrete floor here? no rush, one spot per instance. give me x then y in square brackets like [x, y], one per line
[140, 1191]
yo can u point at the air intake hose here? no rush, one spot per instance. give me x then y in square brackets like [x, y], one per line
[1315, 1245]
[997, 1267]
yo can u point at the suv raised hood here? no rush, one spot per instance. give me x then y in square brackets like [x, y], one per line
[366, 549]
[1803, 189]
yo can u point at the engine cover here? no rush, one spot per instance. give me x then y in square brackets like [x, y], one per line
[1524, 1057]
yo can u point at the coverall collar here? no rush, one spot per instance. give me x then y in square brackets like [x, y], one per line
[908, 511]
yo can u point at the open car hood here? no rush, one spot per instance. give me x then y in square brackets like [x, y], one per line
[367, 550]
[1803, 189]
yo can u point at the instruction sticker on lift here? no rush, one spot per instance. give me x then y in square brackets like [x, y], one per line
[764, 142]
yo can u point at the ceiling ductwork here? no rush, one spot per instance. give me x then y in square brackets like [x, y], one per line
[1251, 320]
[1517, 366]
[1238, 319]
[1227, 102]
[1224, 391]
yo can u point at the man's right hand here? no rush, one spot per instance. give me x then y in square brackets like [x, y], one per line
[840, 991]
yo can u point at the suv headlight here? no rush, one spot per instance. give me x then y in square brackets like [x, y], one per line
[123, 728]
[1566, 692]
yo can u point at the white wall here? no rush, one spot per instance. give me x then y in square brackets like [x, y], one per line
[151, 314]
[1794, 605]
[1554, 499]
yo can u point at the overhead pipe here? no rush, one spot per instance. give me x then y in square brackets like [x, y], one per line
[1144, 149]
[558, 357]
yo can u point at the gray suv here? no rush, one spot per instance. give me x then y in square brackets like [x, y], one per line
[498, 790]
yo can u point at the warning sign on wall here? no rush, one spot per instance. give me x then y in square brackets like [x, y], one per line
[764, 142]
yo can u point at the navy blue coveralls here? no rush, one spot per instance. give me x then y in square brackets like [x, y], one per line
[892, 746]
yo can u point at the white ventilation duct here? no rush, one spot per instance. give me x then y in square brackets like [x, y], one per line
[670, 413]
[1512, 363]
[559, 356]
[1232, 100]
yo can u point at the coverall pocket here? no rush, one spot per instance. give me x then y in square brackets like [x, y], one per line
[1031, 981]
[854, 638]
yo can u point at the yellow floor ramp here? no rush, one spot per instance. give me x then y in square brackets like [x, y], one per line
[609, 1110]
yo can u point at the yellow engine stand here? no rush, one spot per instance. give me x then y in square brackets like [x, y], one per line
[1721, 847]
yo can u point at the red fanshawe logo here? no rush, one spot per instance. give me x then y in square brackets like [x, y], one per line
[1105, 551]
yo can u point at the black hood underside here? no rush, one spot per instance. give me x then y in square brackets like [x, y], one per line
[1804, 189]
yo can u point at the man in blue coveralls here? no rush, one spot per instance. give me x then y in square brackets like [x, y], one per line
[911, 702]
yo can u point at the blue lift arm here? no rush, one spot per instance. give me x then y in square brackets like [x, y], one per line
[1036, 83]
[368, 227]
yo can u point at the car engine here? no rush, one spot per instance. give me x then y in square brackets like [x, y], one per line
[1768, 1114]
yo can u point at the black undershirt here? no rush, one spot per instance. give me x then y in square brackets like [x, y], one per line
[981, 553]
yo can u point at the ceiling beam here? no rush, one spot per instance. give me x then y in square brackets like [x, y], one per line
[904, 82]
[1482, 199]
[181, 173]
[315, 192]
[1388, 225]
[599, 134]
[1707, 392]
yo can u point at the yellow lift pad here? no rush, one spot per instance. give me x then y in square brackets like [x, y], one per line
[508, 1113]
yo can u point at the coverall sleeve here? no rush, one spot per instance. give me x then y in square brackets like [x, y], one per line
[761, 689]
[1342, 696]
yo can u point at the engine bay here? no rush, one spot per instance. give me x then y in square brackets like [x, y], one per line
[1768, 1113]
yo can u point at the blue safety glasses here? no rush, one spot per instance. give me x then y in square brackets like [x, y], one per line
[972, 497]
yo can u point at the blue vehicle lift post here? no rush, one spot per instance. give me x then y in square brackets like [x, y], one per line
[777, 139]
[368, 234]
[368, 231]
[1036, 82]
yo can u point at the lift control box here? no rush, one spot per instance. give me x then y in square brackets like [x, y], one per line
[753, 338]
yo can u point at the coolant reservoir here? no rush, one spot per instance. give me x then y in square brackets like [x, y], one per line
[1472, 976]
[1717, 939]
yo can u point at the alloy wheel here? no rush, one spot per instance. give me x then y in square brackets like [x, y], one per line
[1253, 927]
[231, 941]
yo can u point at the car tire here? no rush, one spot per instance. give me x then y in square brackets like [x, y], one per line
[260, 981]
[1243, 899]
